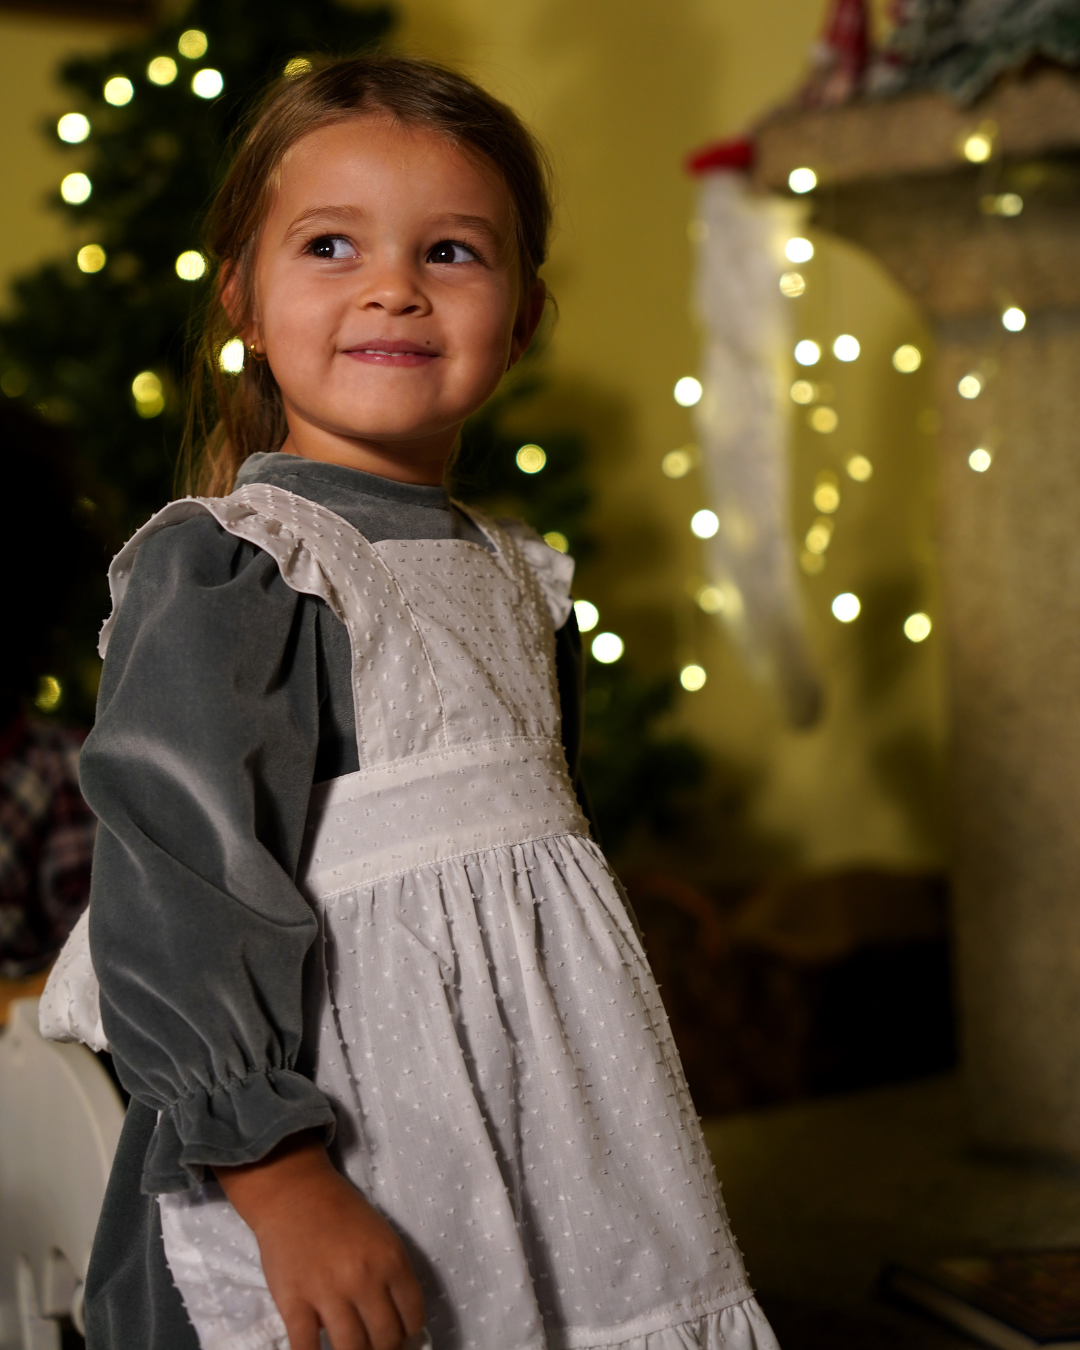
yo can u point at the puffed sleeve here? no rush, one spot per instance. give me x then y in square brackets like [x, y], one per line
[199, 769]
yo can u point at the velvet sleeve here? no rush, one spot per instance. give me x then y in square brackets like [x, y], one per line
[199, 769]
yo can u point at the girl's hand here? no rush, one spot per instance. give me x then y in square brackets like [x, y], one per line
[329, 1258]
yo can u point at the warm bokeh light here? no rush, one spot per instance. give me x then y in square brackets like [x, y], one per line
[827, 496]
[90, 258]
[161, 70]
[607, 647]
[819, 535]
[824, 420]
[191, 265]
[49, 693]
[1002, 204]
[978, 147]
[118, 91]
[557, 540]
[530, 459]
[1013, 319]
[811, 563]
[587, 615]
[970, 386]
[687, 391]
[846, 607]
[792, 284]
[149, 396]
[704, 524]
[192, 44]
[299, 65]
[710, 599]
[692, 677]
[859, 468]
[802, 391]
[846, 348]
[802, 180]
[208, 82]
[980, 460]
[231, 357]
[807, 353]
[798, 250]
[73, 128]
[678, 463]
[75, 188]
[907, 359]
[917, 627]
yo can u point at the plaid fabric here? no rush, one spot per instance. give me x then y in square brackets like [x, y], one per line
[46, 844]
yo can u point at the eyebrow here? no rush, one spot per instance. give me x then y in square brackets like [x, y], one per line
[341, 215]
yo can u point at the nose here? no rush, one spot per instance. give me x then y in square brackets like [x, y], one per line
[392, 285]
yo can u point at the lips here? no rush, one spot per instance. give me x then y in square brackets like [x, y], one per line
[392, 353]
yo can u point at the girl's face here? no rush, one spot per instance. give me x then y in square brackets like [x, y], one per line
[388, 295]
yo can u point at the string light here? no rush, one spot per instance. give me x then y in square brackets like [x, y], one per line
[846, 348]
[1013, 319]
[692, 678]
[678, 463]
[978, 147]
[798, 250]
[231, 356]
[118, 91]
[161, 70]
[846, 607]
[824, 420]
[607, 647]
[149, 396]
[819, 535]
[587, 615]
[792, 284]
[1001, 204]
[827, 493]
[192, 44]
[970, 386]
[73, 128]
[557, 540]
[208, 82]
[807, 353]
[49, 693]
[907, 359]
[191, 265]
[687, 391]
[704, 524]
[802, 180]
[980, 459]
[811, 563]
[917, 627]
[802, 391]
[530, 459]
[75, 188]
[859, 468]
[90, 258]
[710, 599]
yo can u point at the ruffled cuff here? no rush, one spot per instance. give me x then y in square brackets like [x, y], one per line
[232, 1123]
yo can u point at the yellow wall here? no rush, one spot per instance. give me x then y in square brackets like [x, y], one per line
[620, 90]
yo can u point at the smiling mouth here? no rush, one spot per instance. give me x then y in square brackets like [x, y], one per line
[392, 354]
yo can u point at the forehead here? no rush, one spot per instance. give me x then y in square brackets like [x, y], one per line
[374, 160]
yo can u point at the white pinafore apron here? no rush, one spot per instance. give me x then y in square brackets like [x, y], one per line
[485, 1024]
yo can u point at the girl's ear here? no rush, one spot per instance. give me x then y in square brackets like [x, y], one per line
[230, 300]
[530, 312]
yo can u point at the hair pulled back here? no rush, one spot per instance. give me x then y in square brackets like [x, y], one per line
[250, 412]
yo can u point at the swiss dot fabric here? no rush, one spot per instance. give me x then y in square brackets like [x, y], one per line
[484, 1022]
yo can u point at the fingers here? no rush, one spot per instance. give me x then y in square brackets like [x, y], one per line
[346, 1331]
[409, 1301]
[302, 1326]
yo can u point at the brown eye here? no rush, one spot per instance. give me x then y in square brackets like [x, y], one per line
[331, 246]
[447, 251]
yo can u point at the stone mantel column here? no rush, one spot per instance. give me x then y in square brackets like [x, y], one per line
[891, 179]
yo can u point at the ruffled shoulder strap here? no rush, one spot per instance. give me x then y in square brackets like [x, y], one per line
[275, 520]
[554, 571]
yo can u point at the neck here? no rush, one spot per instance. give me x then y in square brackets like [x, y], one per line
[422, 461]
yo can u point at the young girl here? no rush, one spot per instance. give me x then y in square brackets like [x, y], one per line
[398, 1066]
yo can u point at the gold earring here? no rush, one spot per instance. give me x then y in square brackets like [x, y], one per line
[256, 355]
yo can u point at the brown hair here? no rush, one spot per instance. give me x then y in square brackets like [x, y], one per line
[250, 414]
